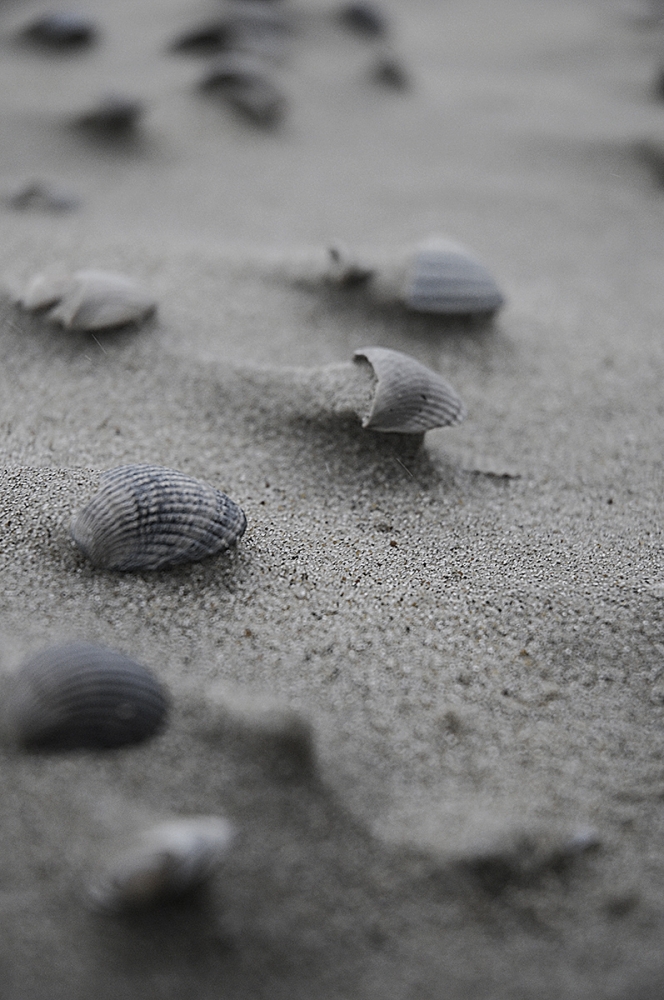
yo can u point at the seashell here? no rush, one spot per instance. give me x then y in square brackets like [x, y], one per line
[445, 278]
[41, 195]
[42, 291]
[80, 696]
[96, 300]
[241, 79]
[61, 30]
[204, 40]
[164, 862]
[364, 18]
[112, 116]
[408, 398]
[145, 517]
[389, 72]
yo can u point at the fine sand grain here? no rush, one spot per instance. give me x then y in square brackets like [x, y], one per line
[427, 687]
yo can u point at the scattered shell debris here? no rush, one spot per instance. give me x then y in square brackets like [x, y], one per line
[81, 696]
[164, 862]
[146, 517]
[88, 299]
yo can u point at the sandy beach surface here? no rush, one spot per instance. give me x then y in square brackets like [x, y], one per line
[472, 631]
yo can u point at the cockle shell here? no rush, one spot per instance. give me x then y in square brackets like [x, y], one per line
[145, 517]
[445, 278]
[80, 696]
[89, 299]
[164, 862]
[60, 30]
[408, 398]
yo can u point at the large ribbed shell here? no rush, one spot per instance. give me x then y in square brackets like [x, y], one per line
[81, 696]
[165, 861]
[445, 278]
[409, 398]
[145, 517]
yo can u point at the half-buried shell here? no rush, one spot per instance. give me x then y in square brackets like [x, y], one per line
[89, 299]
[145, 517]
[408, 398]
[165, 862]
[445, 278]
[79, 696]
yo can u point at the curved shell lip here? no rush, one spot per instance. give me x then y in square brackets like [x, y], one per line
[445, 278]
[409, 398]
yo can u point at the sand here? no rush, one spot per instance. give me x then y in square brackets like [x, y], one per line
[473, 631]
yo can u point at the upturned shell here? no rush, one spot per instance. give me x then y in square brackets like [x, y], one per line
[409, 398]
[89, 300]
[81, 696]
[145, 517]
[445, 278]
[165, 861]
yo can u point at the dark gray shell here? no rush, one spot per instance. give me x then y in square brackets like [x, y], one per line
[409, 398]
[145, 517]
[60, 30]
[81, 696]
[243, 81]
[113, 115]
[447, 279]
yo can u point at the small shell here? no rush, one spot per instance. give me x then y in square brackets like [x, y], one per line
[388, 71]
[89, 300]
[445, 278]
[364, 18]
[166, 861]
[242, 80]
[81, 696]
[61, 30]
[113, 115]
[206, 39]
[345, 270]
[145, 517]
[40, 195]
[409, 398]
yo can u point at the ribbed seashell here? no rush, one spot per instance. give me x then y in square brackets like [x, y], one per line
[445, 278]
[114, 115]
[145, 517]
[80, 696]
[164, 862]
[89, 300]
[60, 30]
[409, 398]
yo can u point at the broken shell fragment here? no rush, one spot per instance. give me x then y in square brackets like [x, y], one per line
[81, 696]
[345, 270]
[146, 517]
[445, 278]
[165, 862]
[89, 300]
[408, 397]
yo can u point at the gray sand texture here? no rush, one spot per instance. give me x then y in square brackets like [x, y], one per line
[427, 687]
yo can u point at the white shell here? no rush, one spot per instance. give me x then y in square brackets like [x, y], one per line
[445, 278]
[409, 398]
[89, 300]
[164, 862]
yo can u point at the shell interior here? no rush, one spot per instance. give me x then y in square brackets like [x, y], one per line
[446, 278]
[409, 398]
[81, 696]
[147, 517]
